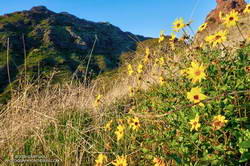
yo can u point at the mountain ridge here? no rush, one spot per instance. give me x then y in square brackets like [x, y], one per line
[59, 40]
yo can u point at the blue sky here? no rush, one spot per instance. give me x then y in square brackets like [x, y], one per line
[144, 17]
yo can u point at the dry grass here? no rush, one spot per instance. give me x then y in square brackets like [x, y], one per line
[32, 110]
[28, 111]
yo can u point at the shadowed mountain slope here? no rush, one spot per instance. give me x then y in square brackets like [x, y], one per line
[58, 42]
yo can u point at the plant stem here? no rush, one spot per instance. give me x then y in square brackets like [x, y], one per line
[224, 46]
[25, 59]
[240, 32]
[186, 34]
[86, 72]
[191, 29]
[8, 67]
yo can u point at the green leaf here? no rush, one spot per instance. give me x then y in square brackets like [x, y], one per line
[144, 150]
[245, 156]
[248, 126]
[241, 119]
[230, 107]
[219, 148]
[245, 144]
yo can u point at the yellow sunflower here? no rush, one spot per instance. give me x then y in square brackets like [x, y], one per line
[139, 79]
[139, 68]
[158, 162]
[161, 61]
[247, 9]
[178, 24]
[247, 68]
[162, 80]
[130, 70]
[210, 39]
[120, 161]
[134, 123]
[97, 100]
[218, 122]
[196, 96]
[173, 37]
[196, 72]
[120, 132]
[101, 159]
[147, 51]
[220, 37]
[202, 27]
[145, 59]
[195, 124]
[231, 19]
[131, 91]
[162, 37]
[183, 72]
[107, 127]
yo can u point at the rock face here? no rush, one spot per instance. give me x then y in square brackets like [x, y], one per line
[225, 6]
[213, 18]
[59, 40]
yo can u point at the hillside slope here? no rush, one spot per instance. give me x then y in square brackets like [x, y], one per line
[74, 126]
[42, 41]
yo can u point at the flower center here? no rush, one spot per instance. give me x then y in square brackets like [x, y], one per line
[217, 37]
[218, 123]
[159, 161]
[178, 25]
[136, 123]
[195, 123]
[248, 68]
[197, 73]
[231, 18]
[196, 97]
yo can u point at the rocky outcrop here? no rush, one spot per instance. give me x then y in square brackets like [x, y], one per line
[214, 23]
[225, 6]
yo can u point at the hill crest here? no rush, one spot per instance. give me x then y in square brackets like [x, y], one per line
[59, 40]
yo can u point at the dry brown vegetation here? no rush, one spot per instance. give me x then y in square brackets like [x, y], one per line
[30, 110]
